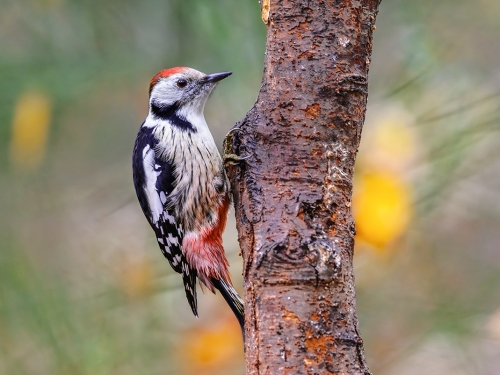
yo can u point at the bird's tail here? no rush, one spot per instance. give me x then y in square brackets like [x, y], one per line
[233, 300]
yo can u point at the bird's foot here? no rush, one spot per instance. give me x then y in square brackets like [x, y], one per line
[229, 156]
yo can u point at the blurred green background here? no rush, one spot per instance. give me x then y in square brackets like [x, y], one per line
[83, 286]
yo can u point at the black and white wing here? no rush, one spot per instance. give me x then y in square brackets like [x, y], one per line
[153, 180]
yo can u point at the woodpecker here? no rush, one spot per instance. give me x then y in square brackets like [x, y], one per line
[181, 183]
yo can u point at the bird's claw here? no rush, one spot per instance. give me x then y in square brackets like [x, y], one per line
[233, 159]
[232, 130]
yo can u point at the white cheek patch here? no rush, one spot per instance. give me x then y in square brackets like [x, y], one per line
[154, 200]
[166, 88]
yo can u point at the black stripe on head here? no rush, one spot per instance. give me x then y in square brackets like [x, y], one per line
[170, 114]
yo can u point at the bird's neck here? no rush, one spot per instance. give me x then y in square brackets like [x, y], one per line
[185, 118]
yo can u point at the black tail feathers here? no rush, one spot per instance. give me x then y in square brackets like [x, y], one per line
[233, 300]
[189, 280]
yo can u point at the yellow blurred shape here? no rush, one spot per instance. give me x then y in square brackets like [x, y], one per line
[209, 351]
[395, 139]
[136, 278]
[389, 142]
[382, 207]
[30, 128]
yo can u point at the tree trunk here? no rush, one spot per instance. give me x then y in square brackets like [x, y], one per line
[293, 193]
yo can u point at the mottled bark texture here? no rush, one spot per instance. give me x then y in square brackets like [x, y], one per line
[293, 194]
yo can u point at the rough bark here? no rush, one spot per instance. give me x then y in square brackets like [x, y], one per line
[293, 194]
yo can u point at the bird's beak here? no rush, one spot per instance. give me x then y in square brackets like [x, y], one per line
[216, 77]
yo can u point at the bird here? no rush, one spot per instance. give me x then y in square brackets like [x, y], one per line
[181, 183]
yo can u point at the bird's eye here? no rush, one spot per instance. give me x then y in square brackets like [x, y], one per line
[181, 83]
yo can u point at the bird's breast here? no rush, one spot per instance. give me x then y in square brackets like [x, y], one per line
[200, 186]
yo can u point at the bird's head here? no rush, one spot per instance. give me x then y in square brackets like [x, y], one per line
[181, 90]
